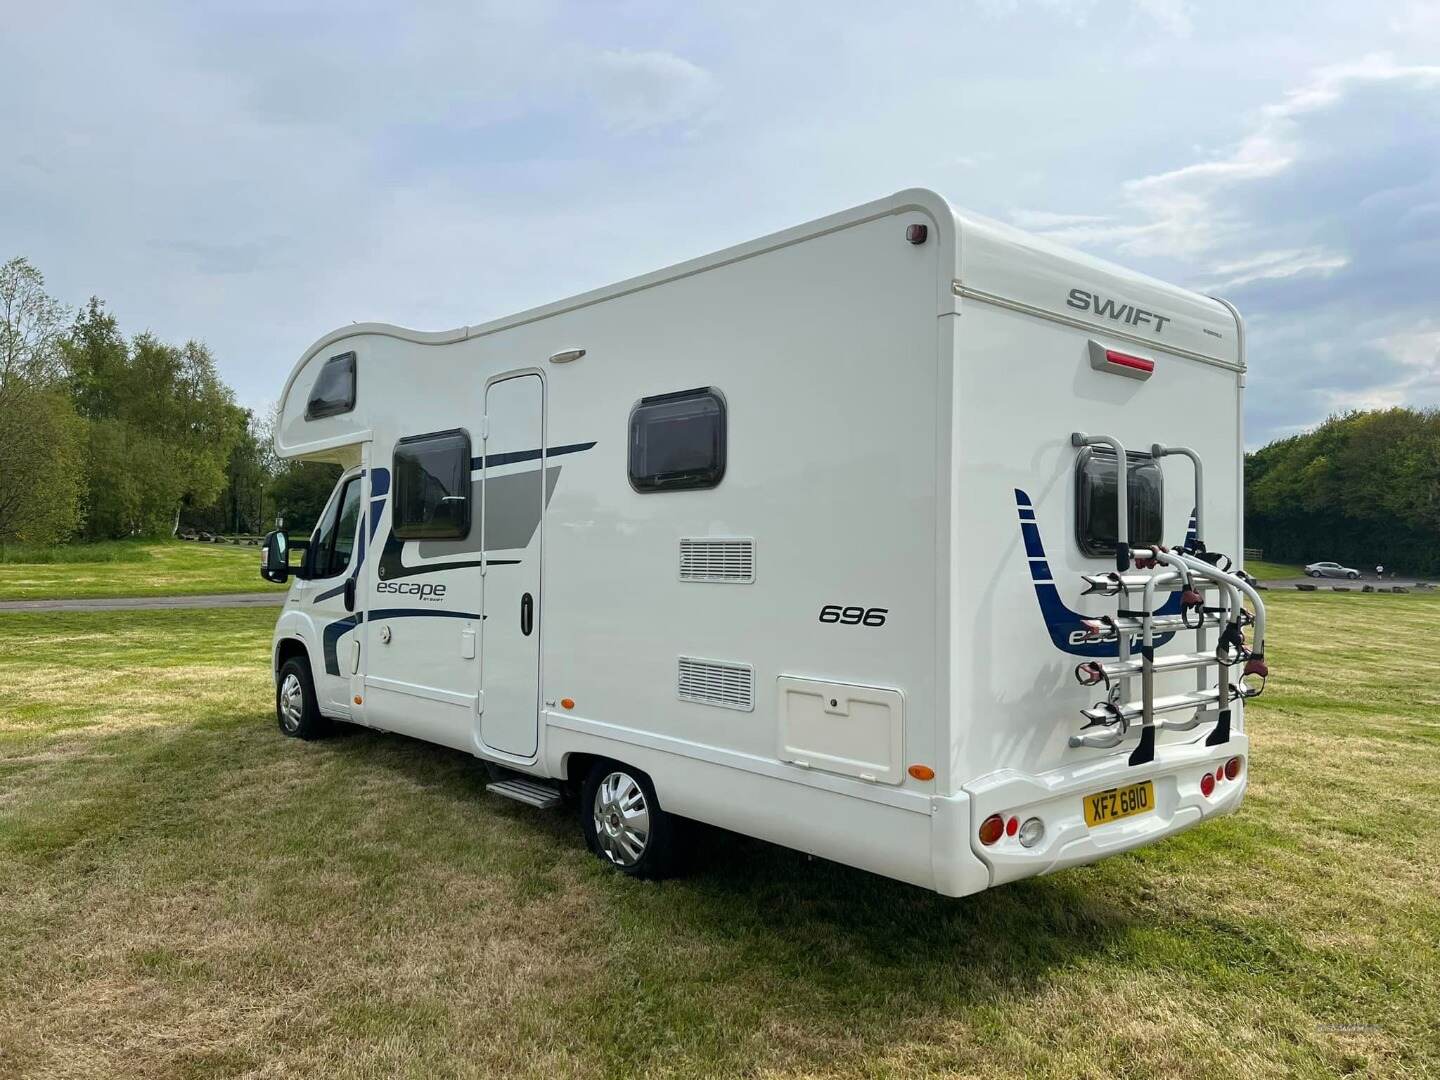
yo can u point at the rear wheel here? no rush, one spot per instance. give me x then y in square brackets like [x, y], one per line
[623, 822]
[1352, 575]
[1313, 573]
[296, 709]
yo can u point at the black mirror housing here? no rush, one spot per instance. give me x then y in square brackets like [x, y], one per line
[275, 557]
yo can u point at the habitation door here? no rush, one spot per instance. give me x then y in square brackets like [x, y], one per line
[513, 492]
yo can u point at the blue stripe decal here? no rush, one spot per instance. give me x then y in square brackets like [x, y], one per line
[1067, 630]
[340, 627]
[1030, 532]
[527, 455]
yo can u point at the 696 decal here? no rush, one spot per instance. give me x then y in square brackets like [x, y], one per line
[853, 616]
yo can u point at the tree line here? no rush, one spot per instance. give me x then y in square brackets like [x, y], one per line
[104, 436]
[1362, 489]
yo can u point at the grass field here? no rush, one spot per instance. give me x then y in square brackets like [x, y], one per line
[185, 893]
[131, 568]
[1268, 571]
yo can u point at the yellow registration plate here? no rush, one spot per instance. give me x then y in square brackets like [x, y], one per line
[1119, 802]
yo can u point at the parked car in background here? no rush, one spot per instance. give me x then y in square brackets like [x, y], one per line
[1331, 569]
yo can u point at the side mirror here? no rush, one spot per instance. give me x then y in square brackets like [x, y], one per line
[275, 557]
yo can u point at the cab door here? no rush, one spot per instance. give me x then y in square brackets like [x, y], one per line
[513, 490]
[330, 596]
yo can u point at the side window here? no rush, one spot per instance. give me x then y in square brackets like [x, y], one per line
[1095, 501]
[432, 487]
[677, 441]
[334, 389]
[334, 538]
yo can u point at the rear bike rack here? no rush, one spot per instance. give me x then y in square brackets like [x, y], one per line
[1145, 571]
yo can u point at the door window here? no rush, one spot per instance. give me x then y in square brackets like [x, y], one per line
[335, 536]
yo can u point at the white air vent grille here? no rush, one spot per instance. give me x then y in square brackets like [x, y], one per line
[714, 682]
[717, 559]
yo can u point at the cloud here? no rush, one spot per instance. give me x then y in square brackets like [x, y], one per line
[1322, 221]
[1274, 265]
[642, 92]
[1170, 16]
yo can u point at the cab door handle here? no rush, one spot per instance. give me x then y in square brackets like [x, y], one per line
[527, 614]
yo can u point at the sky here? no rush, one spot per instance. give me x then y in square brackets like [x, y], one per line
[255, 175]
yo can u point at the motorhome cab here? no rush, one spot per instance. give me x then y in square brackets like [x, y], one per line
[867, 538]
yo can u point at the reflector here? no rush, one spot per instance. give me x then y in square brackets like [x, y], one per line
[991, 828]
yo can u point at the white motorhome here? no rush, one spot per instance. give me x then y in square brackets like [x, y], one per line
[813, 539]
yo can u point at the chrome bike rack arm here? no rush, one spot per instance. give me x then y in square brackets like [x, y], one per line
[1159, 450]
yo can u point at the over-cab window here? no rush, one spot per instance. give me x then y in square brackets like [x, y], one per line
[677, 441]
[1095, 484]
[432, 487]
[334, 389]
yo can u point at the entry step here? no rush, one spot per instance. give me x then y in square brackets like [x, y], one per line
[536, 793]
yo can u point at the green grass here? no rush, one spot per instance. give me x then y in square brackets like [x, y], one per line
[1269, 571]
[185, 893]
[130, 568]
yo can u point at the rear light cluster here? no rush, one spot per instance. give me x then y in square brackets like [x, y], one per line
[996, 826]
[1229, 771]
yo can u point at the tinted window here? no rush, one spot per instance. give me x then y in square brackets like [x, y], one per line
[432, 487]
[1095, 501]
[334, 538]
[334, 389]
[677, 441]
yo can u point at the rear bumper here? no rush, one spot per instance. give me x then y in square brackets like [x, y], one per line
[1056, 798]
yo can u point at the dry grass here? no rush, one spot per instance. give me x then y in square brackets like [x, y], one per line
[183, 892]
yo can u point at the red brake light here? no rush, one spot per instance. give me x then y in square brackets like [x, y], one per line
[1232, 768]
[1012, 826]
[1207, 784]
[991, 829]
[1125, 360]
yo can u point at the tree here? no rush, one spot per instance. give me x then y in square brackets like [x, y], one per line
[41, 465]
[1362, 488]
[31, 327]
[162, 425]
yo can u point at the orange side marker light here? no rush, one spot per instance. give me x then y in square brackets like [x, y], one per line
[922, 772]
[567, 703]
[358, 700]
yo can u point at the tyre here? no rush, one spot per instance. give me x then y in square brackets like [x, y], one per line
[1352, 575]
[296, 709]
[1314, 573]
[624, 824]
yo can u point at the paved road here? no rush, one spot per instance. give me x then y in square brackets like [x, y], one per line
[147, 603]
[1325, 583]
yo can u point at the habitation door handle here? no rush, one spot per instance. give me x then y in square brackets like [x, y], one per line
[527, 614]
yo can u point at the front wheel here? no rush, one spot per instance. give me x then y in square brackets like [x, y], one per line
[1314, 573]
[296, 709]
[624, 824]
[1352, 575]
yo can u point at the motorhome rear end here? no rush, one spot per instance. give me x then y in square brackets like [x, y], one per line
[757, 540]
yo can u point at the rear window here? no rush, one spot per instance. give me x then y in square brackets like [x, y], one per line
[1095, 501]
[334, 389]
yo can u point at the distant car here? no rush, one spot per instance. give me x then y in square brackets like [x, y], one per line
[1331, 569]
